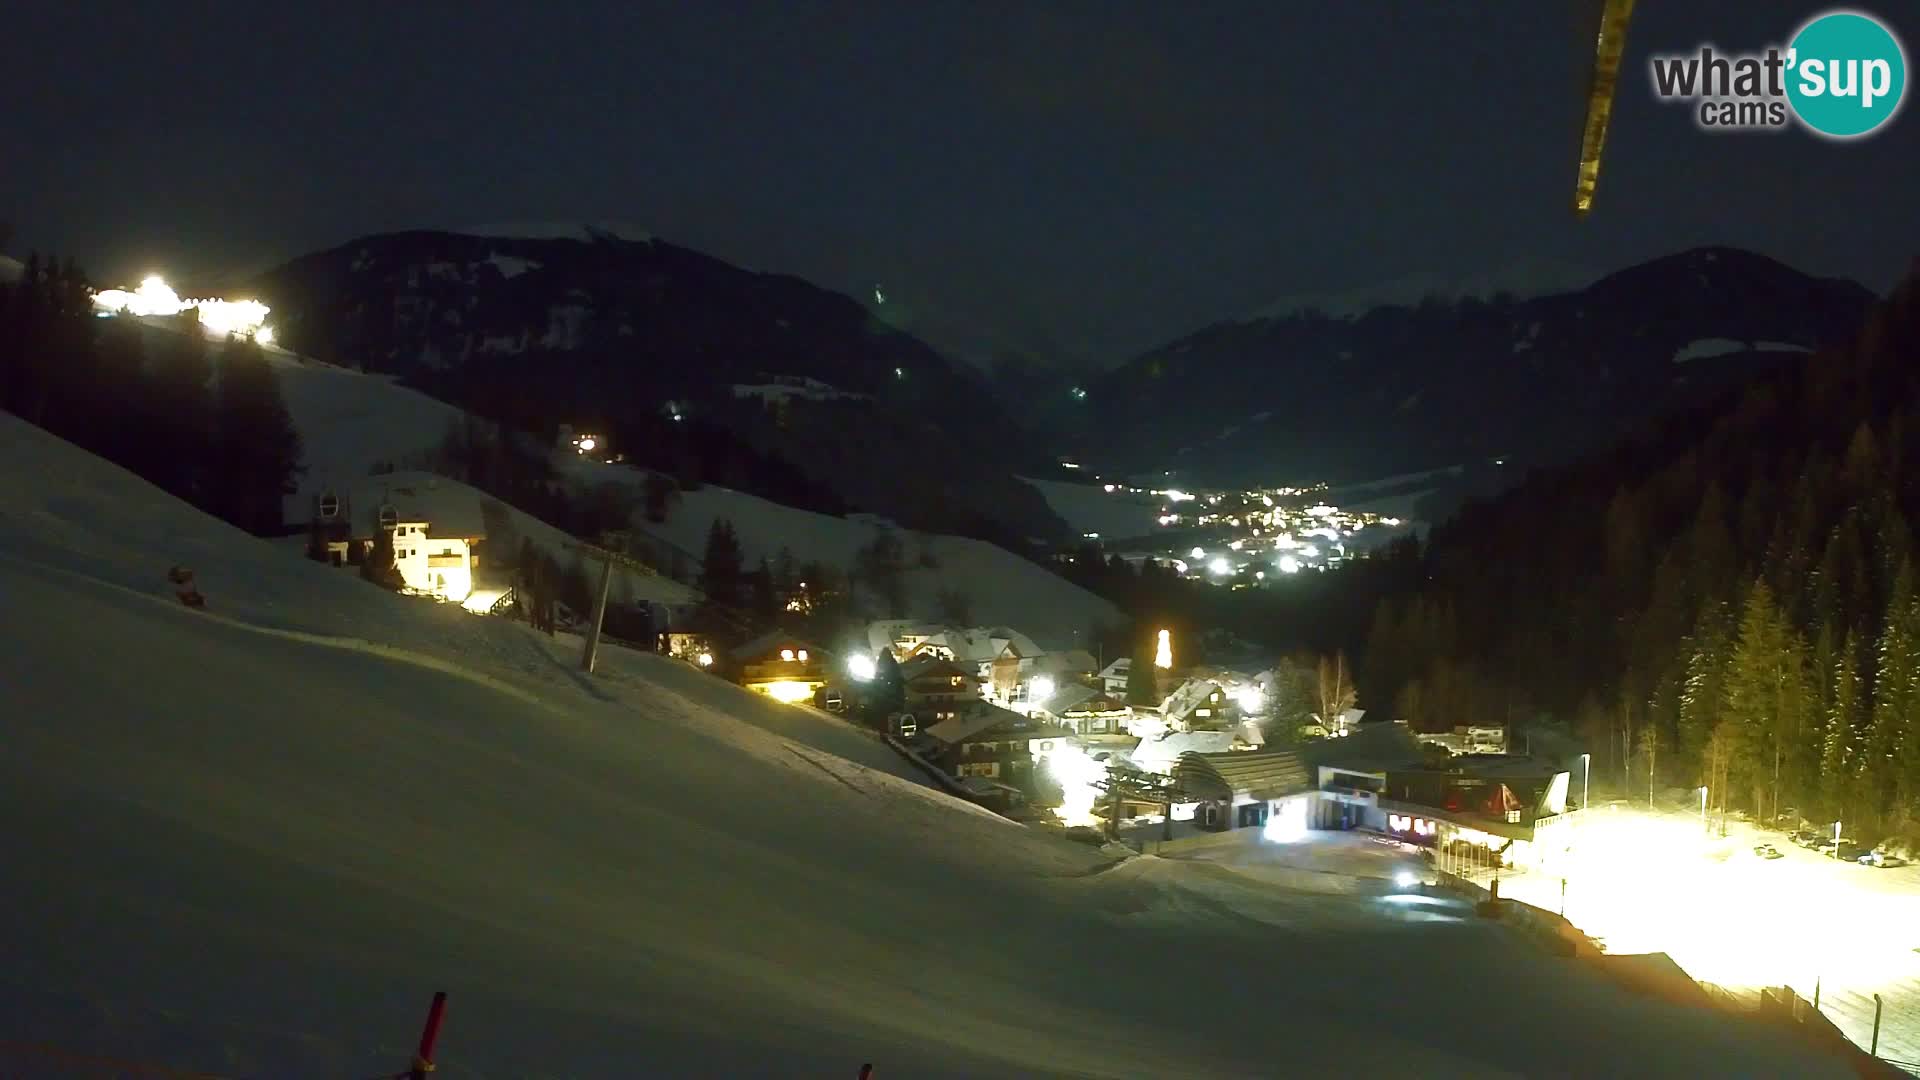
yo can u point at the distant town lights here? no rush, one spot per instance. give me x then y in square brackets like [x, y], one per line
[1220, 566]
[1197, 553]
[1289, 564]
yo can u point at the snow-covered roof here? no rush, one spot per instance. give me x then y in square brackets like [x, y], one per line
[985, 718]
[770, 643]
[1118, 669]
[1069, 662]
[1157, 754]
[1068, 697]
[927, 664]
[1188, 697]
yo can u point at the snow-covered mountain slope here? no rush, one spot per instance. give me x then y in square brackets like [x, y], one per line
[1001, 588]
[349, 422]
[352, 421]
[1523, 279]
[252, 840]
[10, 268]
[558, 230]
[1114, 515]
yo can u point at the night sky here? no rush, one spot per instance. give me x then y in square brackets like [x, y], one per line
[1074, 181]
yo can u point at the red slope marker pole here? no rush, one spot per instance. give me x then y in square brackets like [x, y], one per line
[423, 1061]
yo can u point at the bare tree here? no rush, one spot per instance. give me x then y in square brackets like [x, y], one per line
[1336, 688]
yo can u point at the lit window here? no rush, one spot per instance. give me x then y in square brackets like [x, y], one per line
[1045, 746]
[1203, 712]
[803, 655]
[786, 654]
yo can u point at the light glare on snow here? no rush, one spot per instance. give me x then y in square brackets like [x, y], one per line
[220, 318]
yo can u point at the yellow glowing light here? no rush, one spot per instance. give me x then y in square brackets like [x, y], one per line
[705, 659]
[587, 443]
[786, 654]
[1163, 652]
[788, 690]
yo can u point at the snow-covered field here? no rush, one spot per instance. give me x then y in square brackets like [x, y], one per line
[1644, 882]
[252, 841]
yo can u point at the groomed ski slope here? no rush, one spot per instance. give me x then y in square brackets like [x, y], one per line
[253, 840]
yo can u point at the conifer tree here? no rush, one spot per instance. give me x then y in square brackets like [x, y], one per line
[259, 450]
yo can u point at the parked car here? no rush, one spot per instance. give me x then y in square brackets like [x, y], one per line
[1807, 838]
[1882, 859]
[1846, 850]
[1768, 851]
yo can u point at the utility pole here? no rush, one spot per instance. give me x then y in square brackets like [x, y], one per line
[599, 614]
[609, 552]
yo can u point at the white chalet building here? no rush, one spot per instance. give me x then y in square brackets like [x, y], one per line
[435, 528]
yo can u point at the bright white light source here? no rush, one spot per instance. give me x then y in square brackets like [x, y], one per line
[1108, 488]
[786, 654]
[1076, 773]
[1220, 566]
[1069, 465]
[705, 659]
[1267, 499]
[1163, 652]
[1197, 553]
[587, 443]
[1251, 698]
[1288, 823]
[1406, 879]
[1323, 510]
[1237, 545]
[1040, 689]
[1179, 496]
[1289, 564]
[861, 667]
[1259, 575]
[220, 318]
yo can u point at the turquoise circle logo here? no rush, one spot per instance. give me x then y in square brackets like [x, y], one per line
[1847, 74]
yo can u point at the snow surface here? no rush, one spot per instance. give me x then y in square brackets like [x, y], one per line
[350, 422]
[1115, 515]
[1524, 279]
[1003, 588]
[557, 230]
[253, 840]
[10, 268]
[1708, 349]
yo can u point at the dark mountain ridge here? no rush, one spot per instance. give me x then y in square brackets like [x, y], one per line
[1398, 388]
[627, 335]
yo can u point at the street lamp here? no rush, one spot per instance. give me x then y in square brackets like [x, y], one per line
[1703, 808]
[1586, 778]
[1836, 841]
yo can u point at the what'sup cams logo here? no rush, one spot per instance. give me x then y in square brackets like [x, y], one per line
[1842, 76]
